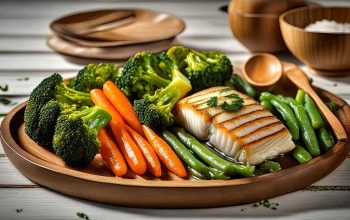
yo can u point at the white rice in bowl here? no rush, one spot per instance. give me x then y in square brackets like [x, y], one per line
[327, 26]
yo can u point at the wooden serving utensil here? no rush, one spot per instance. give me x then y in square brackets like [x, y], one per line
[81, 31]
[122, 25]
[299, 78]
[262, 70]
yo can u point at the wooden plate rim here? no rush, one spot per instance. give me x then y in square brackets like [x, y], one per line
[12, 144]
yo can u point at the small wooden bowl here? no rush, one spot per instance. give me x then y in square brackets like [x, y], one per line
[326, 53]
[266, 6]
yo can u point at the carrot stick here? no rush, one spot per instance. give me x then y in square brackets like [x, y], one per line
[165, 153]
[150, 155]
[123, 105]
[130, 150]
[99, 99]
[111, 154]
[128, 147]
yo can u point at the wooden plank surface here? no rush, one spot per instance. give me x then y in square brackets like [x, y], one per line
[309, 204]
[26, 59]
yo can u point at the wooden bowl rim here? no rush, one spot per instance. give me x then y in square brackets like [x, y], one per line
[250, 15]
[8, 139]
[306, 8]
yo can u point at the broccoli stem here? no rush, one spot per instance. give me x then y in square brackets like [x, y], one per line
[177, 89]
[69, 95]
[95, 117]
[155, 79]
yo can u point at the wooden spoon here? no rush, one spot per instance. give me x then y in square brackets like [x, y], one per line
[123, 25]
[262, 70]
[299, 78]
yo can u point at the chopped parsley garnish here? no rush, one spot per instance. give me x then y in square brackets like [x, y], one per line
[23, 79]
[4, 88]
[213, 101]
[233, 96]
[5, 101]
[233, 104]
[83, 215]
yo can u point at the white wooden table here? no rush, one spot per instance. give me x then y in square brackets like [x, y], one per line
[25, 60]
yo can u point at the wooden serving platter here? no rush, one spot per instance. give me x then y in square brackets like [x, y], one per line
[96, 183]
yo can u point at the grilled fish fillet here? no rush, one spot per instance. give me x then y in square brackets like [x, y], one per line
[251, 134]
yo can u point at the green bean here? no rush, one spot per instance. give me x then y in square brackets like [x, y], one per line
[185, 154]
[267, 105]
[325, 137]
[312, 112]
[269, 166]
[299, 98]
[243, 86]
[195, 173]
[301, 155]
[285, 111]
[217, 174]
[229, 168]
[307, 132]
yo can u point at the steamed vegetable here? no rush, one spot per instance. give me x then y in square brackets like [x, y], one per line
[128, 147]
[203, 69]
[151, 158]
[94, 76]
[285, 111]
[142, 74]
[122, 104]
[301, 155]
[111, 154]
[75, 139]
[185, 154]
[40, 115]
[155, 110]
[269, 166]
[307, 132]
[325, 138]
[299, 98]
[238, 83]
[211, 158]
[313, 113]
[165, 153]
[132, 153]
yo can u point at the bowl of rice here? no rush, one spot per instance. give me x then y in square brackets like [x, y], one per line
[319, 37]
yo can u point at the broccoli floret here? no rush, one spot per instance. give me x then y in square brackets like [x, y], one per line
[51, 88]
[155, 110]
[204, 70]
[94, 76]
[142, 75]
[47, 121]
[75, 139]
[178, 55]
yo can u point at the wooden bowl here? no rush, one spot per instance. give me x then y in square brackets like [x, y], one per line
[255, 22]
[257, 32]
[96, 183]
[266, 6]
[326, 53]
